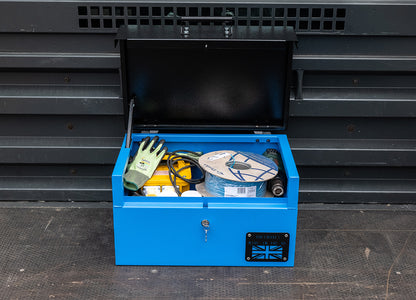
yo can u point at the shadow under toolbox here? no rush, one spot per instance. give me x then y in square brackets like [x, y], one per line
[206, 90]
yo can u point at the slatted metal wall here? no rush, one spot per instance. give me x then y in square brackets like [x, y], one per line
[352, 121]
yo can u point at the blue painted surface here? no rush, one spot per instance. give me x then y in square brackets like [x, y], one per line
[168, 231]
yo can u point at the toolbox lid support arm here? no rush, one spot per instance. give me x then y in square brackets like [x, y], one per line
[130, 123]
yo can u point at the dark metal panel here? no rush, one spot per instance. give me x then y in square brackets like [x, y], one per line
[357, 172]
[62, 126]
[68, 99]
[48, 78]
[354, 63]
[47, 105]
[371, 19]
[111, 61]
[54, 150]
[55, 182]
[361, 81]
[21, 42]
[50, 170]
[358, 17]
[358, 45]
[357, 191]
[351, 108]
[355, 102]
[320, 152]
[61, 116]
[351, 128]
[36, 16]
[43, 188]
[59, 60]
[63, 142]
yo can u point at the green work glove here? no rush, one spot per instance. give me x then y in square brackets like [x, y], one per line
[144, 163]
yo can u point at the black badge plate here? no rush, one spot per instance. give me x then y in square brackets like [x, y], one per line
[267, 246]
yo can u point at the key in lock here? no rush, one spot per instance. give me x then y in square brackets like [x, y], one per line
[205, 227]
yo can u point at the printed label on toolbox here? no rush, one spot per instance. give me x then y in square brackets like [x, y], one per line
[267, 246]
[233, 191]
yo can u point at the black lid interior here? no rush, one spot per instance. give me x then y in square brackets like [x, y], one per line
[206, 81]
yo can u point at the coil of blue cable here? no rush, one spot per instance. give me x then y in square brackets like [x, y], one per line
[232, 173]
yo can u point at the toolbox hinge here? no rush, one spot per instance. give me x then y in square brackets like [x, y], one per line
[227, 24]
[262, 132]
[130, 123]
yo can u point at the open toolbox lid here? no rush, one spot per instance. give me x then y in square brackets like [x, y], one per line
[202, 78]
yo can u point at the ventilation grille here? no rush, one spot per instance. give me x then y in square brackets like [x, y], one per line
[322, 19]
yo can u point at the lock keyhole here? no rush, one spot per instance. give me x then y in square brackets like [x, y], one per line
[205, 227]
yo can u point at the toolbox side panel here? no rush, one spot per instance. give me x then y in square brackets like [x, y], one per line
[117, 176]
[174, 235]
[292, 188]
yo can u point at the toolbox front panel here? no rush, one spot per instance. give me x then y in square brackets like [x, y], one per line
[157, 235]
[168, 230]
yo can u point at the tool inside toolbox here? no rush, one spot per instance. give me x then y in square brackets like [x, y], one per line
[179, 173]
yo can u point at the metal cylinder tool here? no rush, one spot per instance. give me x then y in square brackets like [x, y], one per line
[277, 184]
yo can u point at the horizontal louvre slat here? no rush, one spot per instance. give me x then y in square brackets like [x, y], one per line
[46, 150]
[46, 105]
[55, 189]
[111, 61]
[353, 108]
[354, 63]
[75, 170]
[59, 61]
[357, 172]
[61, 100]
[319, 152]
[357, 191]
[355, 102]
[351, 128]
[65, 125]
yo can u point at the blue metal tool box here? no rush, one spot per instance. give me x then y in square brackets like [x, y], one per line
[206, 90]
